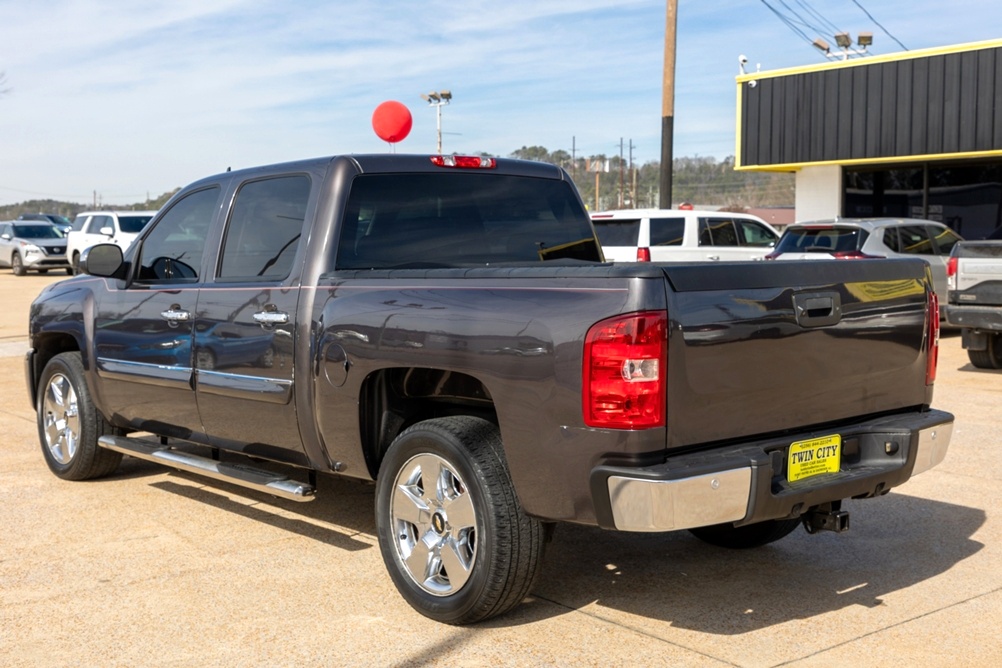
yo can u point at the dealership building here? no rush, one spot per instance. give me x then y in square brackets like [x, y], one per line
[916, 134]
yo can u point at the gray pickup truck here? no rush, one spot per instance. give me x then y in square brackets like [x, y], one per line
[446, 327]
[974, 300]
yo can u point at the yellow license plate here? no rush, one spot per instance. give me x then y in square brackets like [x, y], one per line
[814, 457]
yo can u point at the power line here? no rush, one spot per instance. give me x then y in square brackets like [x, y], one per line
[887, 32]
[789, 24]
[831, 26]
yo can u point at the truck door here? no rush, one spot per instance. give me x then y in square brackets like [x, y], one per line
[245, 329]
[143, 330]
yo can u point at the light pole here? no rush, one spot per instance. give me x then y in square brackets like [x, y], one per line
[437, 100]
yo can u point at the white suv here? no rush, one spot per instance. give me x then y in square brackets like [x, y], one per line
[99, 227]
[680, 235]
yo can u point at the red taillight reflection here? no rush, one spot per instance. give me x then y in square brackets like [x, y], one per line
[624, 370]
[854, 255]
[643, 254]
[932, 340]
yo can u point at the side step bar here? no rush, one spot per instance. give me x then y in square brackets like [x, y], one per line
[238, 474]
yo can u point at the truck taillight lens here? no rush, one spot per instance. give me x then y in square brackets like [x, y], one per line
[932, 342]
[625, 365]
[643, 254]
[464, 161]
[951, 267]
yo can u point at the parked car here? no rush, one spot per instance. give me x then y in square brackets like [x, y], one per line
[860, 238]
[98, 227]
[974, 299]
[34, 246]
[61, 222]
[678, 235]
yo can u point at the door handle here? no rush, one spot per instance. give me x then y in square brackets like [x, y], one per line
[175, 314]
[271, 318]
[713, 257]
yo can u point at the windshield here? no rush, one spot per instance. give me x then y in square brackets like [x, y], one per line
[45, 231]
[450, 219]
[821, 240]
[133, 224]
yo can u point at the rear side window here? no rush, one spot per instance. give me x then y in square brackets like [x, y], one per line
[265, 228]
[821, 240]
[617, 232]
[455, 219]
[945, 239]
[667, 231]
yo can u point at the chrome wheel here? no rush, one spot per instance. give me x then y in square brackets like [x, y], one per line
[61, 419]
[435, 524]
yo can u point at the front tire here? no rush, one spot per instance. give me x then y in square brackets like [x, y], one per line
[991, 356]
[17, 265]
[68, 423]
[451, 531]
[748, 536]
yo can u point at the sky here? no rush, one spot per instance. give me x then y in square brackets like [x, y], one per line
[116, 100]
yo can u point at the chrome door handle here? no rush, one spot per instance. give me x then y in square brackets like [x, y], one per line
[271, 318]
[712, 257]
[175, 315]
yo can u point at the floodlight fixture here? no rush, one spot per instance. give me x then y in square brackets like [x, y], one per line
[437, 99]
[821, 44]
[865, 39]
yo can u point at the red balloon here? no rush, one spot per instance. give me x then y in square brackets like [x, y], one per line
[392, 121]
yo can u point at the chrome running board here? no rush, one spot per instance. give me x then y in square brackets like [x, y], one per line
[238, 474]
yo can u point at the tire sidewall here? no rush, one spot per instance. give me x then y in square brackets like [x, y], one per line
[424, 439]
[64, 364]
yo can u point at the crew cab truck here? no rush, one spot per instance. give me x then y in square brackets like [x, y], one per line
[446, 327]
[974, 300]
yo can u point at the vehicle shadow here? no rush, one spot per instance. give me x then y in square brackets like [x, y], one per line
[894, 543]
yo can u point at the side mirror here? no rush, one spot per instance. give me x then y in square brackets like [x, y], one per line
[5, 236]
[103, 260]
[107, 231]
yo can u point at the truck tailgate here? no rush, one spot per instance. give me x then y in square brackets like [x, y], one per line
[979, 273]
[749, 355]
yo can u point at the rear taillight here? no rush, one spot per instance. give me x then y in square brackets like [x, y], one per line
[932, 339]
[951, 267]
[624, 369]
[464, 161]
[643, 254]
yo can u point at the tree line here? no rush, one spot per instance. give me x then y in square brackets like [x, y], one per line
[701, 181]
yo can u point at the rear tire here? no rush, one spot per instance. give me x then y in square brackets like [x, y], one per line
[68, 423]
[991, 356]
[746, 537]
[451, 531]
[17, 265]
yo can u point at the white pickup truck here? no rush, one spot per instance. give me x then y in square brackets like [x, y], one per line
[974, 296]
[682, 235]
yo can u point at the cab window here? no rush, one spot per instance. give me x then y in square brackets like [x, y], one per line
[172, 251]
[265, 228]
[667, 231]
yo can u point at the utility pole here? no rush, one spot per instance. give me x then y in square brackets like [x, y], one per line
[668, 105]
[621, 199]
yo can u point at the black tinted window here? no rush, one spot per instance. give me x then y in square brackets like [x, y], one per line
[461, 218]
[667, 231]
[619, 232]
[264, 229]
[44, 231]
[172, 251]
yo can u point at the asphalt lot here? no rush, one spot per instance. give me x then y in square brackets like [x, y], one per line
[158, 568]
